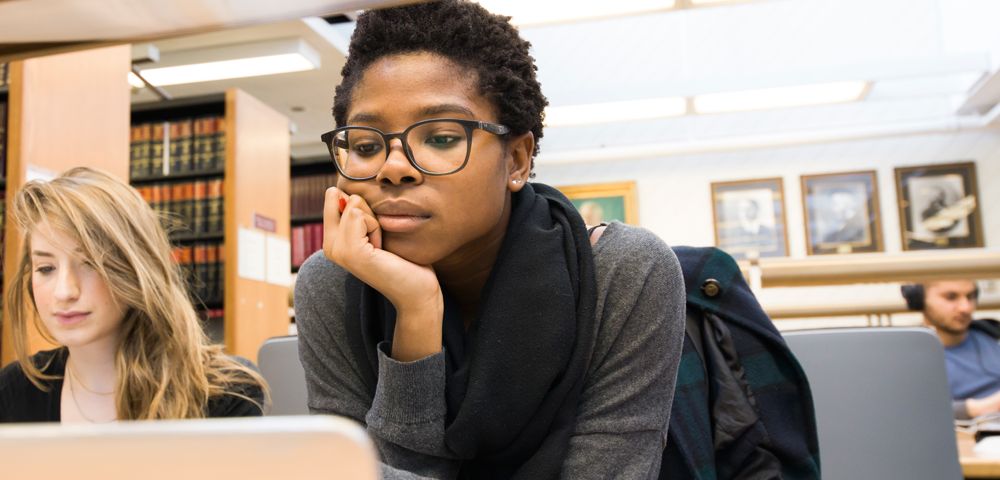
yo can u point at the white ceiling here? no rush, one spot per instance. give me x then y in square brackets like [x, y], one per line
[926, 59]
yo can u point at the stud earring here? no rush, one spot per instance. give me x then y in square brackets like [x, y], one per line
[516, 182]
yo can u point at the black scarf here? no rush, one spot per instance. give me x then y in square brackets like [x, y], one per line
[514, 378]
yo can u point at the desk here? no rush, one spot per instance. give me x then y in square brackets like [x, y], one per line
[974, 466]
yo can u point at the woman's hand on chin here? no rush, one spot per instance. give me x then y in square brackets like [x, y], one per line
[353, 240]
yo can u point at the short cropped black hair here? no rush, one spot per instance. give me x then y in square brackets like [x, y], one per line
[466, 34]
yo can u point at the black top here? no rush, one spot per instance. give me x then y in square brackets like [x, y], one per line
[22, 401]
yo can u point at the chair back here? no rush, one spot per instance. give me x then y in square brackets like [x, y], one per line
[883, 408]
[278, 360]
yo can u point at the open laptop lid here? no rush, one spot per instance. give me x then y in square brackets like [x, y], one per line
[238, 448]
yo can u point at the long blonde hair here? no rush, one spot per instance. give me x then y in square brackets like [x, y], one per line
[166, 366]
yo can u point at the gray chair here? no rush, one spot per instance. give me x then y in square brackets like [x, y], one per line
[278, 360]
[883, 409]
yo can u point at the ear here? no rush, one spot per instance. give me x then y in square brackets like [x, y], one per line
[520, 151]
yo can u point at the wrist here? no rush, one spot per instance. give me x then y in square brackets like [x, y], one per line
[418, 330]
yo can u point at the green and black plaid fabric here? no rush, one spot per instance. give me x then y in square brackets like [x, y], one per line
[786, 427]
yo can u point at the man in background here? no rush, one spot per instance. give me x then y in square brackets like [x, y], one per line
[972, 354]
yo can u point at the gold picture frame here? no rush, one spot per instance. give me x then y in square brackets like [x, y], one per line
[841, 213]
[749, 218]
[939, 206]
[605, 202]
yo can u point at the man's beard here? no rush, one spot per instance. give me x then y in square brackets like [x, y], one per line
[947, 328]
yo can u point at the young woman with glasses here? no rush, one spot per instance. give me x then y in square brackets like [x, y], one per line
[96, 276]
[467, 317]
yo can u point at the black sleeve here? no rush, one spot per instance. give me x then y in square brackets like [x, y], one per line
[232, 405]
[22, 401]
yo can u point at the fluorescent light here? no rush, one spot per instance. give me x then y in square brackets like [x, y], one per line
[134, 80]
[534, 12]
[782, 97]
[610, 112]
[233, 61]
[699, 3]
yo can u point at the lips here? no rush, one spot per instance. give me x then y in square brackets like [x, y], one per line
[70, 318]
[400, 216]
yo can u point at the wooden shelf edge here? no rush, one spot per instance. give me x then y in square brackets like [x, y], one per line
[215, 173]
[978, 263]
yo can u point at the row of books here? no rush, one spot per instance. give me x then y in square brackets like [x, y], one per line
[4, 74]
[178, 146]
[193, 206]
[3, 138]
[202, 264]
[308, 193]
[306, 239]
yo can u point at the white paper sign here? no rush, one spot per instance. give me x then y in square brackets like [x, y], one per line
[279, 261]
[252, 255]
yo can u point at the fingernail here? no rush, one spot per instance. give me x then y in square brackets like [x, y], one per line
[343, 205]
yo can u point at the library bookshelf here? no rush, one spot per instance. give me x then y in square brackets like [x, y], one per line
[310, 178]
[219, 166]
[54, 124]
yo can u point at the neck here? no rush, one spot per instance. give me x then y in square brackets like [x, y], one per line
[94, 365]
[464, 274]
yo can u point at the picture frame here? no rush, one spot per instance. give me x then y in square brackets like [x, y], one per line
[939, 206]
[749, 218]
[841, 213]
[604, 202]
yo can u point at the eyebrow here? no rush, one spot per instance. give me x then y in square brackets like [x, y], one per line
[426, 112]
[40, 253]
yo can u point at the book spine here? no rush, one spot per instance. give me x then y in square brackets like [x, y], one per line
[157, 148]
[219, 144]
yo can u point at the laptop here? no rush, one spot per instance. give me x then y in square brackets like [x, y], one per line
[295, 447]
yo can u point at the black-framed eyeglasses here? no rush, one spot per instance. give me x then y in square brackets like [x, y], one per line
[439, 146]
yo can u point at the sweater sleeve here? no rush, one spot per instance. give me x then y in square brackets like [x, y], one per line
[406, 417]
[624, 412]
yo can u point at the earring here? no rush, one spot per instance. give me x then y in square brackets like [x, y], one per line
[516, 182]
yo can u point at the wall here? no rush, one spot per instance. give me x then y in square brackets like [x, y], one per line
[675, 194]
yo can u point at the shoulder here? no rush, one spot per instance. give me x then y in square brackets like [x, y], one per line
[988, 327]
[21, 400]
[640, 286]
[634, 251]
[242, 397]
[52, 362]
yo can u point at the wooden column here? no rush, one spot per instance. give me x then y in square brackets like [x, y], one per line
[65, 110]
[256, 183]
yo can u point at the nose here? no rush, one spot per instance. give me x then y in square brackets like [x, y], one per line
[966, 305]
[398, 169]
[67, 285]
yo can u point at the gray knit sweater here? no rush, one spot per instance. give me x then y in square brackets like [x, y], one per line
[621, 426]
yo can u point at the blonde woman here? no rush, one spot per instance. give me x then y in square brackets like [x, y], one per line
[96, 275]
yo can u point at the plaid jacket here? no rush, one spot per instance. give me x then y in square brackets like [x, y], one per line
[742, 407]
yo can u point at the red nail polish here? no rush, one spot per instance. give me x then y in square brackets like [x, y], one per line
[343, 205]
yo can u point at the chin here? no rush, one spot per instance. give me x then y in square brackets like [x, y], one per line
[410, 251]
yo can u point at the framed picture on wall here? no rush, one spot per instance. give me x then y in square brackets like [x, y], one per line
[841, 213]
[749, 218]
[939, 206]
[604, 202]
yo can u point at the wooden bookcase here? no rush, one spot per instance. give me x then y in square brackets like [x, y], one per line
[310, 178]
[255, 185]
[63, 110]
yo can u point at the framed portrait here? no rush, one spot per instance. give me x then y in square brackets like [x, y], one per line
[749, 217]
[604, 202]
[939, 206]
[841, 213]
